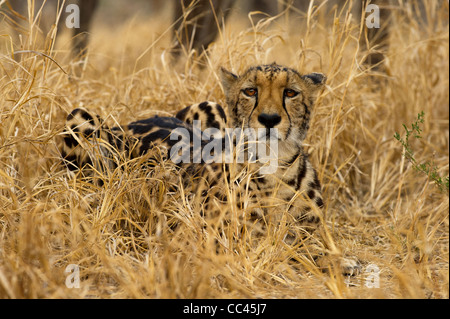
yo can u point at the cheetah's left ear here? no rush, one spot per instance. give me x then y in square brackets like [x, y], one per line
[317, 79]
[228, 79]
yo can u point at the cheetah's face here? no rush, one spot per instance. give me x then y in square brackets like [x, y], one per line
[272, 96]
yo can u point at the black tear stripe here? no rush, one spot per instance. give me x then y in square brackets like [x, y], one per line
[289, 118]
[285, 109]
[254, 108]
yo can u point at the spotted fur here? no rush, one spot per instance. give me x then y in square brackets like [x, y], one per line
[274, 96]
[263, 97]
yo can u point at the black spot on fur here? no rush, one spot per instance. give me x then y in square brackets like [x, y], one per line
[319, 202]
[89, 132]
[88, 117]
[261, 179]
[205, 107]
[181, 115]
[214, 124]
[292, 182]
[70, 141]
[72, 163]
[73, 114]
[69, 117]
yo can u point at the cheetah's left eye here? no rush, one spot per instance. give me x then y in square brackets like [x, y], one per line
[290, 93]
[250, 92]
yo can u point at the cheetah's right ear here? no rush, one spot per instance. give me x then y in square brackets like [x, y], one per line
[228, 79]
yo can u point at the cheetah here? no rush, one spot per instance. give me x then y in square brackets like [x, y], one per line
[271, 101]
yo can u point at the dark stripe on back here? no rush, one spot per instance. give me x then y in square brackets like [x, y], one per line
[143, 126]
[160, 134]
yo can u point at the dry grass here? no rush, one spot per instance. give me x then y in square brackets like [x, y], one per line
[379, 209]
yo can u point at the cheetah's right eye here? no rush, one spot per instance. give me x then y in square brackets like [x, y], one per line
[250, 92]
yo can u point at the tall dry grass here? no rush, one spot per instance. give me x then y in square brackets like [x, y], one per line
[379, 209]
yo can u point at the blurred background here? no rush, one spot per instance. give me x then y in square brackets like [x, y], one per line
[138, 62]
[179, 26]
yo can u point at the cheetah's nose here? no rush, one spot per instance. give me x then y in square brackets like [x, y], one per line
[269, 120]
